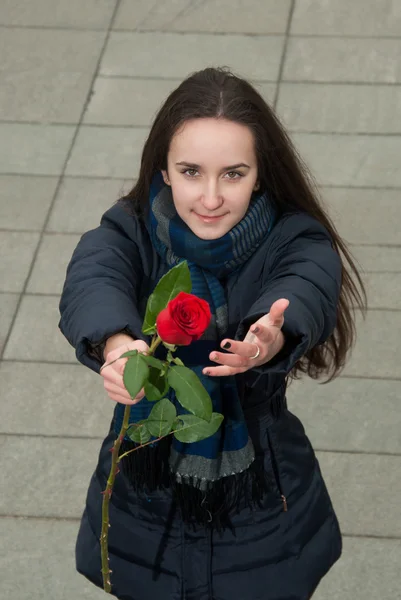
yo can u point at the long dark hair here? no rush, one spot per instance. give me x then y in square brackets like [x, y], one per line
[218, 93]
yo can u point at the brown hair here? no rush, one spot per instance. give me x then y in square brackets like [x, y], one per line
[219, 93]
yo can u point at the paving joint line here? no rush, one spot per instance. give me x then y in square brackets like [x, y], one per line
[256, 80]
[283, 55]
[138, 30]
[78, 520]
[148, 126]
[45, 436]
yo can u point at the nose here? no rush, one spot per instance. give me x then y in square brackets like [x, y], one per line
[212, 199]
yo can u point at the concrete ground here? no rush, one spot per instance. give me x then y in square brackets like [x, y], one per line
[80, 82]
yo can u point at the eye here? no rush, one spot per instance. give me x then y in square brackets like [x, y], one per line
[234, 175]
[190, 172]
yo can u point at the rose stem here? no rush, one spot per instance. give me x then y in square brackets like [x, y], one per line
[109, 487]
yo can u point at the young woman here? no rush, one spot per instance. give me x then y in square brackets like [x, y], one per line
[245, 514]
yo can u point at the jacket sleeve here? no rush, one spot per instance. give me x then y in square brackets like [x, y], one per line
[100, 292]
[307, 271]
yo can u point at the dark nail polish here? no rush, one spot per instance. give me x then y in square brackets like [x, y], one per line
[227, 345]
[255, 330]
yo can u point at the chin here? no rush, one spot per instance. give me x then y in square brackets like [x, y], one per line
[212, 233]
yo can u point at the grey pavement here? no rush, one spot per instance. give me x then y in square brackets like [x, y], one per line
[80, 83]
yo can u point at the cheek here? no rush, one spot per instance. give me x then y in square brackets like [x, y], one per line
[183, 193]
[239, 199]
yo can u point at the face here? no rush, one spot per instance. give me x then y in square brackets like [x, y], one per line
[212, 170]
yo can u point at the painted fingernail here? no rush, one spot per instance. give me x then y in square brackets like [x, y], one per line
[215, 356]
[227, 345]
[206, 372]
[255, 330]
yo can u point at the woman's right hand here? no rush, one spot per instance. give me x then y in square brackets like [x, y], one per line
[113, 374]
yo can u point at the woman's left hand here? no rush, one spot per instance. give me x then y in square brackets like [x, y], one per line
[265, 334]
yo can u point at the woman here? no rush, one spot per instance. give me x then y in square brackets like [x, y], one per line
[220, 186]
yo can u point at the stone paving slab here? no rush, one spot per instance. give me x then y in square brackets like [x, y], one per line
[117, 101]
[378, 258]
[107, 152]
[178, 55]
[46, 74]
[53, 475]
[343, 108]
[368, 570]
[384, 290]
[8, 306]
[365, 491]
[16, 251]
[57, 13]
[368, 18]
[81, 202]
[352, 160]
[343, 59]
[35, 335]
[39, 563]
[225, 16]
[357, 213]
[378, 346]
[349, 414]
[34, 149]
[24, 201]
[49, 272]
[65, 391]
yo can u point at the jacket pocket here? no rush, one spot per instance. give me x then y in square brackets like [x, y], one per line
[275, 470]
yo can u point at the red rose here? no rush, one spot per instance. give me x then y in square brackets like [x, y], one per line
[184, 320]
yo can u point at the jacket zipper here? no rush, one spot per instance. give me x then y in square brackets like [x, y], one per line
[276, 472]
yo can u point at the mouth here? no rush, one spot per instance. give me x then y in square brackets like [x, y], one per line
[207, 219]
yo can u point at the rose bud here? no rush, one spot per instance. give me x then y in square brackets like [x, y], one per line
[184, 320]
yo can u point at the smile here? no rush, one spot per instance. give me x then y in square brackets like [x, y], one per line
[206, 219]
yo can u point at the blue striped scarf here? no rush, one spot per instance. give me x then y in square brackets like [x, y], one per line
[230, 450]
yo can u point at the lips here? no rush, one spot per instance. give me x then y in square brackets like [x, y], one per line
[209, 218]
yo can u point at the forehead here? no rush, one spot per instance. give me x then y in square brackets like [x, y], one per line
[213, 137]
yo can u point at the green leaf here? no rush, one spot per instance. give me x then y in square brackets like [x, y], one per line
[194, 429]
[149, 322]
[161, 418]
[138, 432]
[176, 280]
[136, 372]
[170, 347]
[156, 387]
[190, 392]
[174, 359]
[129, 354]
[153, 362]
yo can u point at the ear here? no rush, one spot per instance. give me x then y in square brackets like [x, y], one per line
[256, 186]
[165, 177]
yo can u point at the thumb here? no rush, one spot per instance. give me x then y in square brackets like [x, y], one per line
[276, 314]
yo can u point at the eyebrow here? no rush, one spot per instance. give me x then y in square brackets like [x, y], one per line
[229, 168]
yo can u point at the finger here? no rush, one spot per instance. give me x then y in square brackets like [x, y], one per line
[112, 376]
[122, 400]
[233, 360]
[262, 335]
[112, 369]
[123, 392]
[223, 371]
[276, 313]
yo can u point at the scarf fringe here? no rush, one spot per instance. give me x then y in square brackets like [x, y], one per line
[148, 469]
